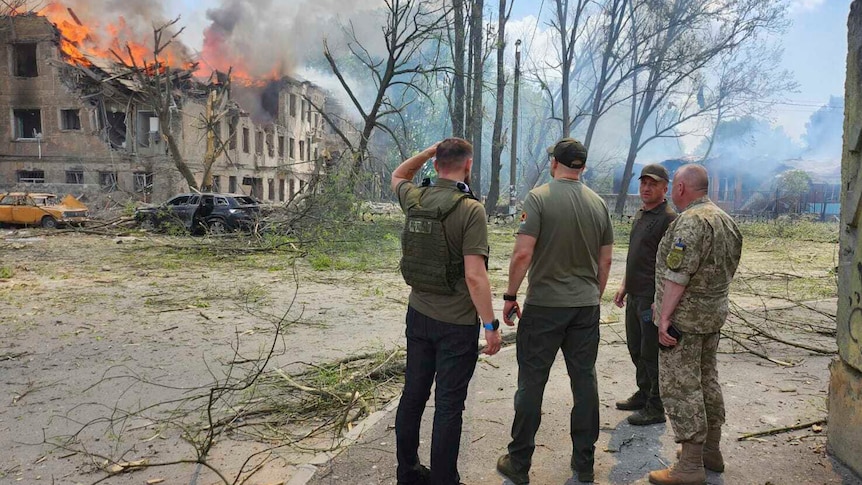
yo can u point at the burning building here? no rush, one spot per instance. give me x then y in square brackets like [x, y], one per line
[77, 121]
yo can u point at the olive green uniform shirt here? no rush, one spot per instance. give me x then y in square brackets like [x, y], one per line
[647, 230]
[570, 223]
[467, 234]
[701, 251]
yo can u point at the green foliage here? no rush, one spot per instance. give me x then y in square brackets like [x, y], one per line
[6, 272]
[794, 182]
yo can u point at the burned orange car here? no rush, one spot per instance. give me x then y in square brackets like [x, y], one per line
[46, 210]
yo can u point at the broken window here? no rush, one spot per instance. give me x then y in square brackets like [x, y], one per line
[270, 147]
[74, 176]
[108, 181]
[143, 182]
[217, 133]
[301, 185]
[216, 183]
[25, 60]
[290, 149]
[281, 190]
[245, 140]
[301, 150]
[292, 188]
[231, 184]
[271, 187]
[258, 142]
[116, 128]
[281, 146]
[28, 124]
[231, 132]
[148, 128]
[31, 176]
[292, 103]
[70, 119]
[303, 113]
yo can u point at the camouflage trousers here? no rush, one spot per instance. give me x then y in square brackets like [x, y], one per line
[688, 382]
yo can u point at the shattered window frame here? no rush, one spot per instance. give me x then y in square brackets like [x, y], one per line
[258, 142]
[21, 124]
[75, 177]
[143, 182]
[270, 193]
[280, 146]
[291, 148]
[232, 184]
[25, 62]
[246, 139]
[31, 176]
[216, 183]
[70, 119]
[108, 181]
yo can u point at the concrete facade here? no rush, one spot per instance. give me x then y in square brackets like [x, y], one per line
[56, 133]
[845, 390]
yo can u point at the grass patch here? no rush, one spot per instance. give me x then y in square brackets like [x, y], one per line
[359, 247]
[6, 272]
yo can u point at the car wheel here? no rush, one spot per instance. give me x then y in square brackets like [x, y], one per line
[217, 226]
[148, 224]
[49, 222]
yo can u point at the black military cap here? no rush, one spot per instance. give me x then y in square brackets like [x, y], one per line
[571, 153]
[655, 172]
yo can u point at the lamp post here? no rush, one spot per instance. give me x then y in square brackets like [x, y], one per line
[513, 170]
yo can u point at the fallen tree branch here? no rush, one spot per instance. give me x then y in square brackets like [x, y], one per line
[770, 432]
[755, 352]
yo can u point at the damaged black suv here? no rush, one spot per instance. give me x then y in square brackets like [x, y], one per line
[207, 212]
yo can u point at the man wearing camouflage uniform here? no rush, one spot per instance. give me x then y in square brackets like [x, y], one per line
[695, 264]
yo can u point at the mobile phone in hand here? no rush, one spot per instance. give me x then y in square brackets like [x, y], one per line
[512, 313]
[673, 332]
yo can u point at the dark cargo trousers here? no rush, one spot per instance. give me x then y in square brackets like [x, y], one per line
[543, 331]
[642, 341]
[444, 353]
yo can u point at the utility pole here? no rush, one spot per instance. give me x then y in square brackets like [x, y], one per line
[513, 170]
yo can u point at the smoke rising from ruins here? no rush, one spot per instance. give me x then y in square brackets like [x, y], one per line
[267, 38]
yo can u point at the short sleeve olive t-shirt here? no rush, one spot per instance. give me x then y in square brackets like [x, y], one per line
[570, 223]
[467, 234]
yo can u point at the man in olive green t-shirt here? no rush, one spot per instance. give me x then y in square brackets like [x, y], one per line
[442, 327]
[565, 240]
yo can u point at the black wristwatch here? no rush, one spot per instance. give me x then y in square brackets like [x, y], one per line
[492, 326]
[510, 297]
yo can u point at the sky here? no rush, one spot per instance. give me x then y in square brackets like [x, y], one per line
[815, 48]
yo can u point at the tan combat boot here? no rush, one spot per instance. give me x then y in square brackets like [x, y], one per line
[712, 459]
[687, 471]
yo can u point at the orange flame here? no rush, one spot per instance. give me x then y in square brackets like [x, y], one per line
[84, 42]
[80, 43]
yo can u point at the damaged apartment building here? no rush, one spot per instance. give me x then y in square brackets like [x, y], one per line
[81, 128]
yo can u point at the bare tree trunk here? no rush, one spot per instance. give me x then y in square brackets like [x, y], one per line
[476, 34]
[458, 98]
[177, 157]
[497, 143]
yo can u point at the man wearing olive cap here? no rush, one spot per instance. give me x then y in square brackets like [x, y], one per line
[637, 292]
[565, 240]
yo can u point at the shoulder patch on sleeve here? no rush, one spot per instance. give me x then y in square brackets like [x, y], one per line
[676, 255]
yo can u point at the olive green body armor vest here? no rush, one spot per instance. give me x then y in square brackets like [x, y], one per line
[427, 264]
